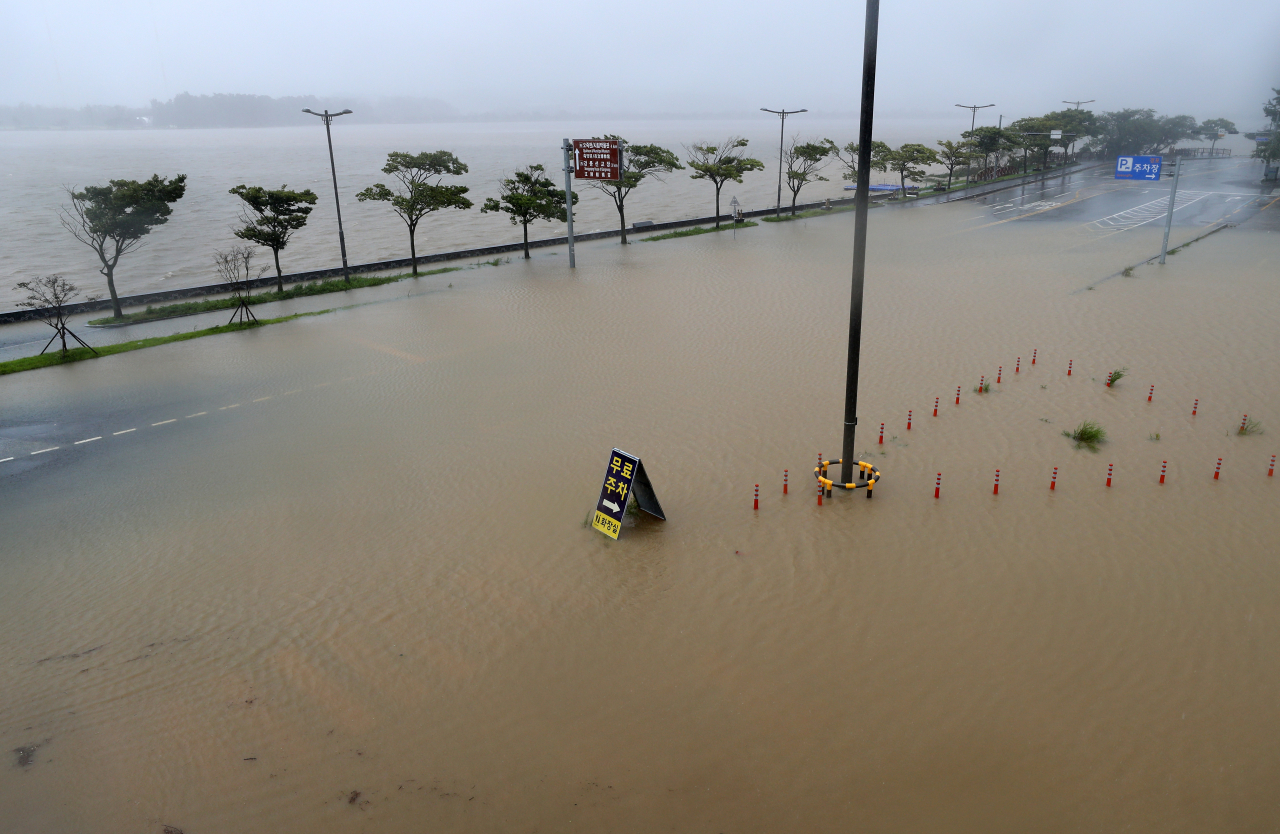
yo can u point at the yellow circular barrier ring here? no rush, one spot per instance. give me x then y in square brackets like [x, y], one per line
[870, 475]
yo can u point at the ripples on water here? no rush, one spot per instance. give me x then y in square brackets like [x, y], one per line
[384, 584]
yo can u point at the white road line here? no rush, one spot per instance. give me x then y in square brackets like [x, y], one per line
[225, 407]
[294, 391]
[197, 414]
[162, 422]
[50, 449]
[126, 431]
[260, 399]
[87, 440]
[6, 460]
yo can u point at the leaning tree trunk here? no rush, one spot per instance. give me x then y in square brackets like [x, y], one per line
[525, 224]
[794, 195]
[622, 216]
[275, 253]
[110, 272]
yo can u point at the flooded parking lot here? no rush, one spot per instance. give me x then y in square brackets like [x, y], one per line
[334, 574]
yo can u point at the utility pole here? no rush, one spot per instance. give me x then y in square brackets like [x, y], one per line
[973, 109]
[1168, 219]
[781, 138]
[342, 241]
[861, 200]
[568, 193]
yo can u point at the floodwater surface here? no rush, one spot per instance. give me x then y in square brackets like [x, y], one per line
[350, 587]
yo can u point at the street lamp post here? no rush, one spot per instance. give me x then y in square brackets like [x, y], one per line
[342, 241]
[737, 214]
[973, 109]
[781, 138]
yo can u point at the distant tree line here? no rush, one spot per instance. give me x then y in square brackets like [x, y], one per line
[113, 219]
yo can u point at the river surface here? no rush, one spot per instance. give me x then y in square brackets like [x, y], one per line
[333, 575]
[36, 165]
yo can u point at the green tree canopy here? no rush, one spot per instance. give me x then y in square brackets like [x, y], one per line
[804, 160]
[952, 155]
[421, 191]
[1140, 131]
[1271, 108]
[907, 160]
[991, 141]
[640, 162]
[271, 216]
[1032, 135]
[721, 163]
[112, 219]
[848, 157]
[528, 196]
[1075, 125]
[1210, 127]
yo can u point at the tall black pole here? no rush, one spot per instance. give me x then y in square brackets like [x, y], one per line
[333, 169]
[861, 204]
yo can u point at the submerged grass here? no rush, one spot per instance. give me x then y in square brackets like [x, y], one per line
[700, 230]
[191, 308]
[44, 360]
[1088, 434]
[1250, 426]
[800, 215]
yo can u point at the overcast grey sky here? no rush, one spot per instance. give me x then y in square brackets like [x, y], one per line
[1205, 59]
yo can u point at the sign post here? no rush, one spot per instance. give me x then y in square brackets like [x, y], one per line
[623, 477]
[568, 194]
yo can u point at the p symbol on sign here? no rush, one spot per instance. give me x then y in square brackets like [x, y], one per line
[1126, 163]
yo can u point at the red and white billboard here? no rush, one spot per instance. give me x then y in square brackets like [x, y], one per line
[597, 159]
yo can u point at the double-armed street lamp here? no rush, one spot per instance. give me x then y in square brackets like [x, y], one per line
[342, 241]
[973, 109]
[781, 138]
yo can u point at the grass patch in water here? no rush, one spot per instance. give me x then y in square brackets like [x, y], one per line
[44, 360]
[1250, 426]
[208, 305]
[700, 230]
[1088, 434]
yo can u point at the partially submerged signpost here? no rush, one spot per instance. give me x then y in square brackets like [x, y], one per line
[623, 477]
[588, 159]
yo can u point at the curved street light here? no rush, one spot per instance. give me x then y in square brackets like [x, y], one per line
[972, 108]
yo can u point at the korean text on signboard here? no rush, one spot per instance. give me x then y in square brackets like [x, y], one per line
[612, 503]
[597, 159]
[1138, 167]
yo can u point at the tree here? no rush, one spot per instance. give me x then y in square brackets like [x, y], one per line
[640, 161]
[1268, 152]
[804, 160]
[905, 162]
[953, 155]
[848, 157]
[235, 269]
[1210, 127]
[1140, 131]
[1271, 108]
[990, 141]
[270, 218]
[112, 219]
[49, 297]
[721, 163]
[1075, 125]
[527, 196]
[420, 189]
[1033, 135]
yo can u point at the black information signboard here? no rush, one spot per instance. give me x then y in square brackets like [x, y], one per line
[624, 477]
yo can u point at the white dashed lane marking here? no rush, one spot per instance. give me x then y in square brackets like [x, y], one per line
[126, 431]
[260, 399]
[6, 460]
[87, 440]
[163, 422]
[50, 449]
[197, 414]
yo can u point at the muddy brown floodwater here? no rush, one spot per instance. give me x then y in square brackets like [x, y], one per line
[370, 602]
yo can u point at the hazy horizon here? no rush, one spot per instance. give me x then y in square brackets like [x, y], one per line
[560, 60]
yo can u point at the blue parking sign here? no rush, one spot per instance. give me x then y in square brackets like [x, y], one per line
[1138, 167]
